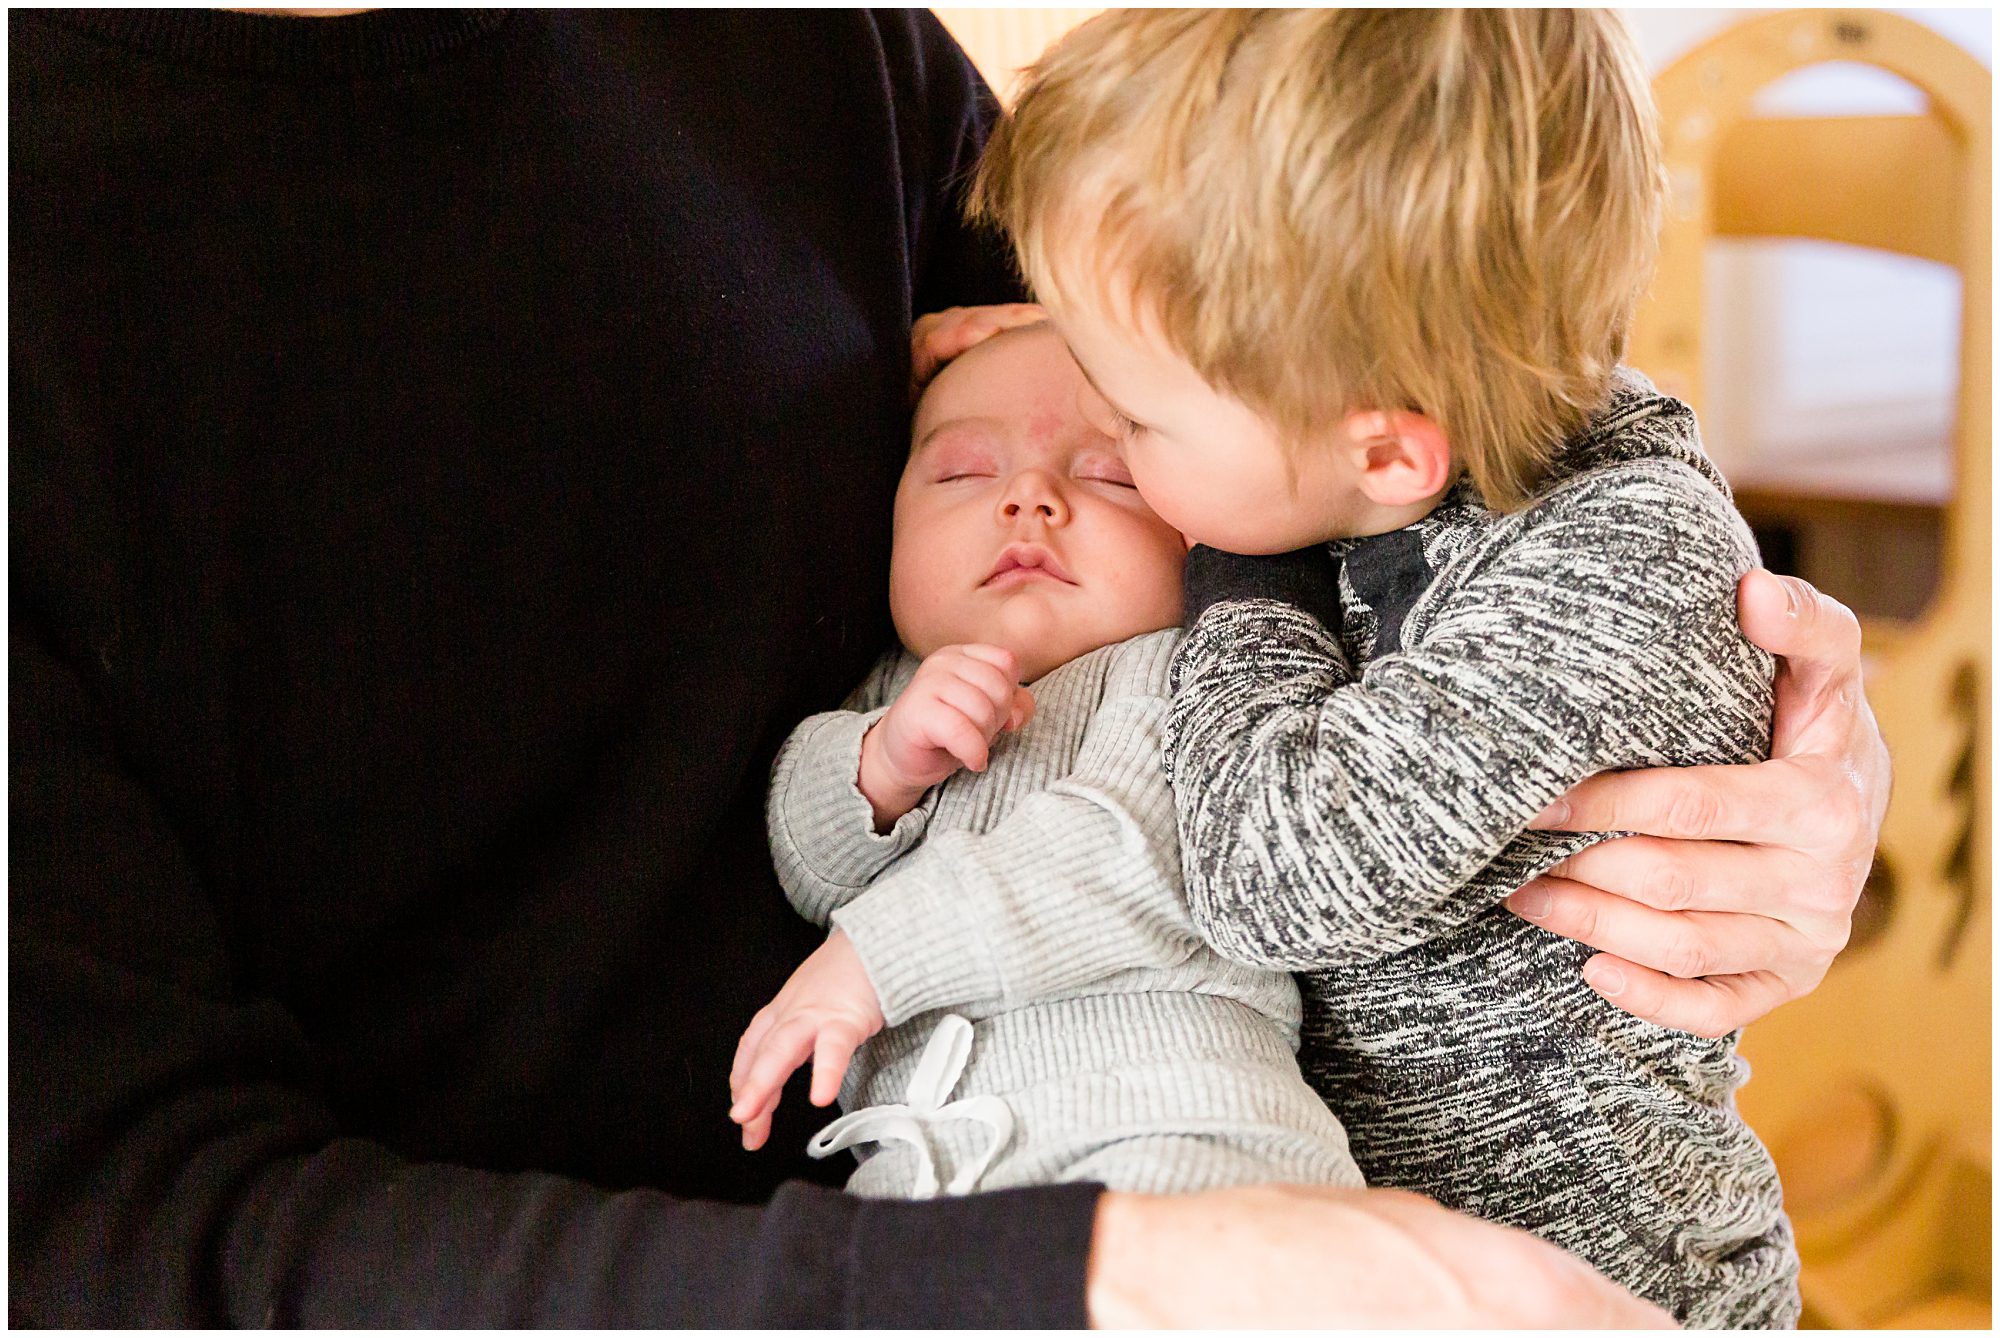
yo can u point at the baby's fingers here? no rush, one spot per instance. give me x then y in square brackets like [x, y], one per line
[986, 713]
[997, 656]
[831, 1056]
[757, 1131]
[784, 1049]
[961, 738]
[746, 1049]
[1023, 709]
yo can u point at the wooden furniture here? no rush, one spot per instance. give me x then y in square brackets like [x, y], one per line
[1875, 1092]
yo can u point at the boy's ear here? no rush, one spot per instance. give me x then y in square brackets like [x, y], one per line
[1402, 457]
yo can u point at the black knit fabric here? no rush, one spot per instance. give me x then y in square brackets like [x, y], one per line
[1308, 579]
[448, 453]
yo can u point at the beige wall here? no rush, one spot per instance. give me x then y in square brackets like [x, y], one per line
[1001, 41]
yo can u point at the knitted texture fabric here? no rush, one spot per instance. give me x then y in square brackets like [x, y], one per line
[1354, 802]
[1042, 899]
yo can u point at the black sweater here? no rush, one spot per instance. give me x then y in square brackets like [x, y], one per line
[448, 454]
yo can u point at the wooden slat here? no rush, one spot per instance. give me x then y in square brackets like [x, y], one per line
[1889, 182]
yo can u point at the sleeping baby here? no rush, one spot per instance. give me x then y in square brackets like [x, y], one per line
[1012, 989]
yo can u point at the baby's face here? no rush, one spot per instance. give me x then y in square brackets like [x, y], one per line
[1017, 524]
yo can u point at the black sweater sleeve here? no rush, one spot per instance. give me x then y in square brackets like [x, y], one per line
[172, 1161]
[359, 974]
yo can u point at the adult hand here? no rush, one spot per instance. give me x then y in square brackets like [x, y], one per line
[1290, 1256]
[940, 336]
[1741, 888]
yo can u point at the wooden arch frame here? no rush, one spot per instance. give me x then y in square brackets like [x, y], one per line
[1874, 1092]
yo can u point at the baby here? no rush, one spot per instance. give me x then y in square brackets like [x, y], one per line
[1012, 968]
[1351, 287]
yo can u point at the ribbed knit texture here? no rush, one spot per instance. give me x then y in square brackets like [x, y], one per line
[447, 453]
[1364, 826]
[1042, 899]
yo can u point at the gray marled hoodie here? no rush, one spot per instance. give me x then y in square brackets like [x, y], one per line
[1359, 737]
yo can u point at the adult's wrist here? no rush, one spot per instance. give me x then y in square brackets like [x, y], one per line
[1112, 1294]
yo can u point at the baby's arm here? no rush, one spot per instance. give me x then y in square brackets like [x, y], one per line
[843, 796]
[1329, 822]
[848, 789]
[1080, 881]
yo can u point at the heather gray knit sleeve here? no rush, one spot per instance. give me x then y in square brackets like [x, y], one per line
[822, 828]
[1080, 880]
[1330, 822]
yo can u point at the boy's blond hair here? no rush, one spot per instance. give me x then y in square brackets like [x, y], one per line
[1328, 210]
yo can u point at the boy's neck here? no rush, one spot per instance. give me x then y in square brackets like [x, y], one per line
[1370, 518]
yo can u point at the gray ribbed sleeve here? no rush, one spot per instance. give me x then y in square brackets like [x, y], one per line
[823, 837]
[1329, 821]
[1043, 904]
[1079, 879]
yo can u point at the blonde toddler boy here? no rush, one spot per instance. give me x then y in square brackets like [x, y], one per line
[1352, 287]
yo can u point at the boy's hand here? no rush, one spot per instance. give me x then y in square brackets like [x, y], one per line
[942, 335]
[960, 699]
[1741, 887]
[825, 1011]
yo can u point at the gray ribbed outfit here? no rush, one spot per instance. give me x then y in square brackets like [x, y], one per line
[1359, 739]
[1041, 899]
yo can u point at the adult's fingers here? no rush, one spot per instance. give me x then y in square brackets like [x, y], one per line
[1782, 802]
[937, 338]
[1816, 634]
[1684, 944]
[1697, 875]
[1712, 1006]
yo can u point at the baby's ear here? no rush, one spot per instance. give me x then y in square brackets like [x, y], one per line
[1401, 456]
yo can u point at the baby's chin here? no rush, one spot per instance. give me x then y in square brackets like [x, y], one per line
[1042, 636]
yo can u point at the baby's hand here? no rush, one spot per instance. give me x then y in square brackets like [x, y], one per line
[960, 699]
[825, 1011]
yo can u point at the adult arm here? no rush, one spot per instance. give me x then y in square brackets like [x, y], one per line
[1285, 1256]
[1330, 822]
[953, 262]
[174, 1161]
[1741, 888]
[175, 1158]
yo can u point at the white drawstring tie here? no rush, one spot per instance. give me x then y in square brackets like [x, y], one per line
[923, 1105]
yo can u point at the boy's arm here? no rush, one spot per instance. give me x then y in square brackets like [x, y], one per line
[1080, 881]
[1330, 822]
[822, 828]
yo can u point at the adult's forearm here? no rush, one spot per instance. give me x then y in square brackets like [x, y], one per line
[1287, 1256]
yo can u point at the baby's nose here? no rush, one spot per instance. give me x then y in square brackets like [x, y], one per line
[1032, 493]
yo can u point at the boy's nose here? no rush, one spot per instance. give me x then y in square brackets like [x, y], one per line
[1032, 493]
